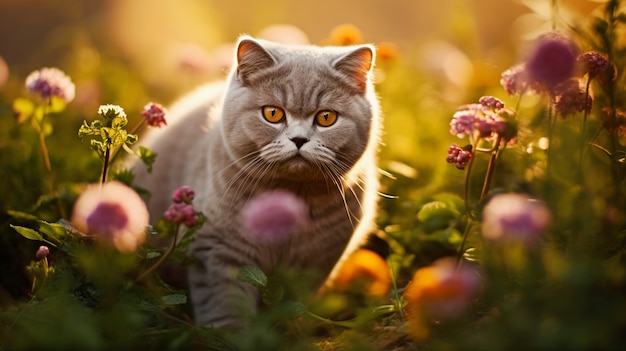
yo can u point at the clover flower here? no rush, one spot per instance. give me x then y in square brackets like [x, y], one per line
[50, 82]
[571, 98]
[182, 213]
[515, 218]
[183, 194]
[113, 213]
[154, 114]
[459, 156]
[593, 63]
[552, 61]
[515, 81]
[273, 216]
[491, 102]
[42, 252]
[464, 121]
[440, 291]
[364, 271]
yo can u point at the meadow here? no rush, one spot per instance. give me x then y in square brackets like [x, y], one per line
[502, 221]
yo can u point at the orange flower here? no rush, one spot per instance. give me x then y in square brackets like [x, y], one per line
[364, 270]
[439, 291]
[345, 34]
[386, 51]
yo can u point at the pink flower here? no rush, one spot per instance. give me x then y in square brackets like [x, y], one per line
[491, 102]
[42, 252]
[182, 213]
[553, 61]
[459, 156]
[464, 120]
[154, 114]
[515, 218]
[183, 194]
[515, 81]
[593, 63]
[273, 216]
[49, 82]
[571, 98]
[113, 213]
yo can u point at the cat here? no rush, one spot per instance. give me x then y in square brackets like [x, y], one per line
[300, 118]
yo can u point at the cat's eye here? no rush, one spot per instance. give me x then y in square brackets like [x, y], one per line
[326, 118]
[273, 114]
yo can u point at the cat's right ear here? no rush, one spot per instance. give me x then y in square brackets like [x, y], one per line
[251, 58]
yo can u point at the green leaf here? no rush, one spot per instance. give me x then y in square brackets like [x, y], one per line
[55, 231]
[28, 233]
[252, 275]
[153, 254]
[294, 308]
[147, 156]
[436, 215]
[22, 215]
[23, 109]
[174, 299]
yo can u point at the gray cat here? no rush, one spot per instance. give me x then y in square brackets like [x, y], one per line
[304, 119]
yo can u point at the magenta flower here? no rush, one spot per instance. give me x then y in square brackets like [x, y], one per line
[42, 252]
[114, 214]
[491, 102]
[273, 216]
[464, 120]
[571, 98]
[515, 218]
[182, 213]
[593, 63]
[49, 82]
[154, 114]
[459, 156]
[183, 194]
[553, 61]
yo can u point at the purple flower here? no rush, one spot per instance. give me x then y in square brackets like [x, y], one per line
[49, 82]
[182, 213]
[553, 61]
[515, 81]
[113, 213]
[515, 218]
[183, 194]
[464, 120]
[273, 216]
[42, 252]
[154, 114]
[571, 98]
[491, 102]
[593, 63]
[458, 156]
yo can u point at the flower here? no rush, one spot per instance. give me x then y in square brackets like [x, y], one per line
[440, 291]
[571, 98]
[345, 34]
[491, 102]
[515, 81]
[464, 120]
[50, 82]
[552, 61]
[460, 156]
[4, 72]
[154, 114]
[364, 270]
[514, 217]
[111, 113]
[182, 213]
[273, 216]
[113, 213]
[183, 194]
[42, 252]
[593, 63]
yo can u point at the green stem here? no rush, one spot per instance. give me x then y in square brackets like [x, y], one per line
[162, 259]
[133, 131]
[105, 161]
[490, 168]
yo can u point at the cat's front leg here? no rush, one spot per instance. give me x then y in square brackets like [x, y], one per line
[218, 298]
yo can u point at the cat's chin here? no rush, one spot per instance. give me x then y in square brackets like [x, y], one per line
[299, 167]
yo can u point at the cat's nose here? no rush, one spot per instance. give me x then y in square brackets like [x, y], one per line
[299, 141]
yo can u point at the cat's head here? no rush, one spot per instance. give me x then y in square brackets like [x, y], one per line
[300, 112]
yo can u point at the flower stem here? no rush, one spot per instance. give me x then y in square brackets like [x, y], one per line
[490, 168]
[161, 260]
[105, 161]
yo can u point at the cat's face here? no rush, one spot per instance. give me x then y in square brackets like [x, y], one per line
[300, 113]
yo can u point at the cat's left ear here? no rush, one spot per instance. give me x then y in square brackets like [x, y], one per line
[251, 58]
[356, 66]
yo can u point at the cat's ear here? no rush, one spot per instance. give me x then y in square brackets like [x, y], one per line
[356, 66]
[251, 58]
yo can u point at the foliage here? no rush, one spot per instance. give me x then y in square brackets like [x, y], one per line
[518, 241]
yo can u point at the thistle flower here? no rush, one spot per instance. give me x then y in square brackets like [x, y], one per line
[113, 213]
[552, 61]
[50, 82]
[593, 63]
[273, 216]
[459, 156]
[516, 218]
[571, 98]
[365, 271]
[439, 292]
[154, 114]
[42, 252]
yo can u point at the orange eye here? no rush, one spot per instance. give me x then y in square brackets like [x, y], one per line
[273, 114]
[326, 118]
